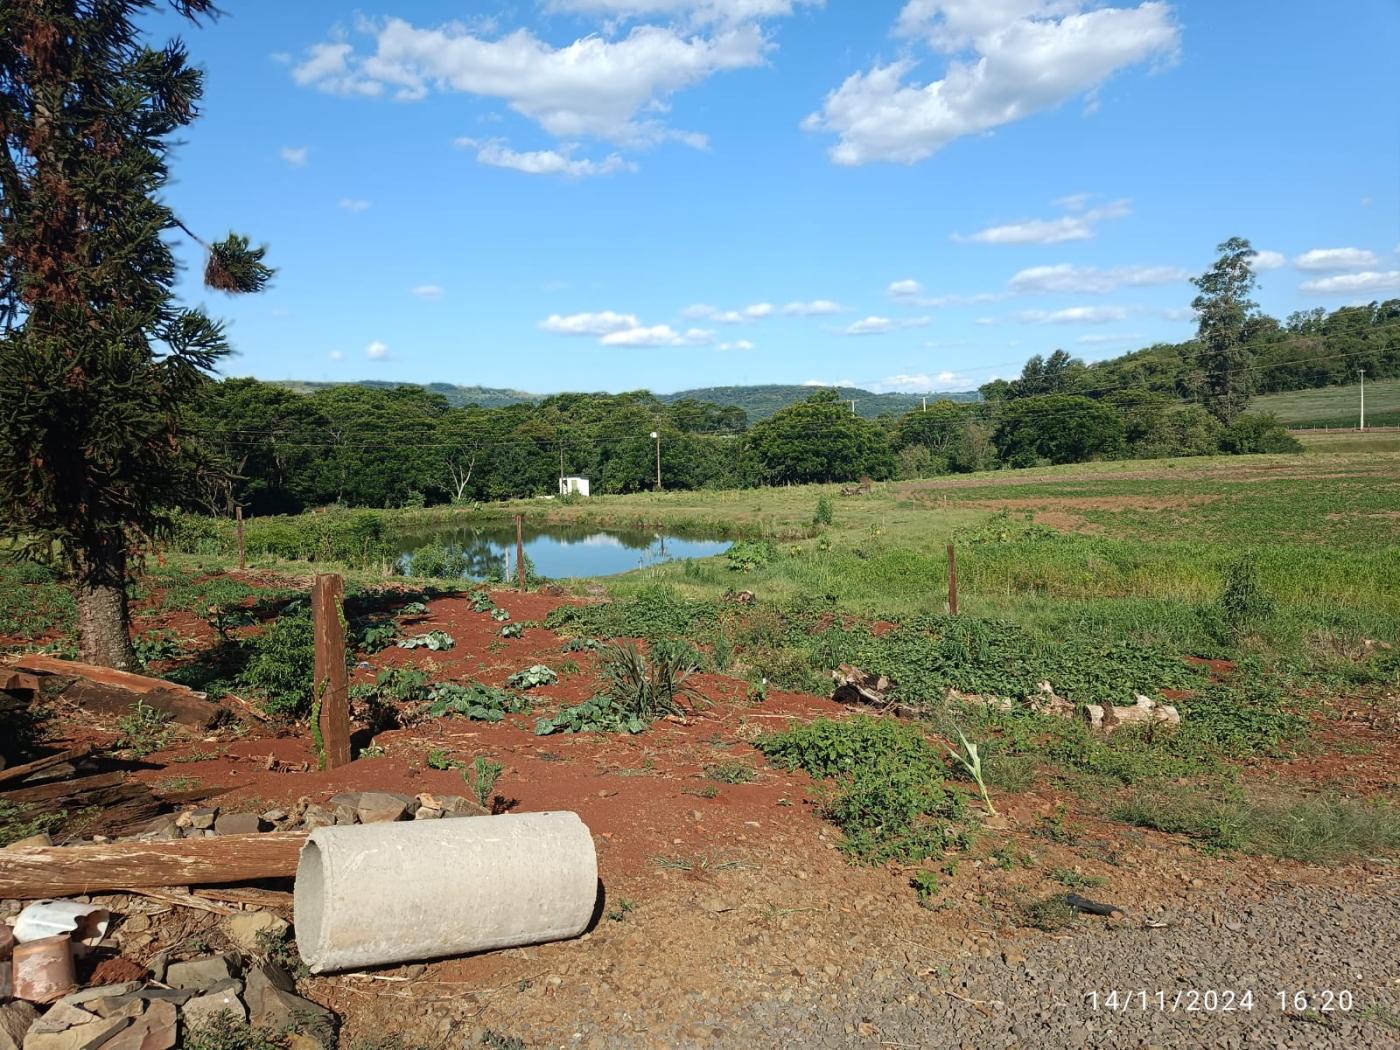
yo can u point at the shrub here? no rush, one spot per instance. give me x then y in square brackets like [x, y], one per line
[446, 561]
[823, 514]
[283, 664]
[482, 778]
[1258, 432]
[648, 687]
[1244, 603]
[747, 555]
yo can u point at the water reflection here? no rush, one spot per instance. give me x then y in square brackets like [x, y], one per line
[560, 551]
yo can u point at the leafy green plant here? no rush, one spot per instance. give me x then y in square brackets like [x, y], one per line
[1051, 915]
[970, 759]
[1073, 879]
[647, 687]
[377, 637]
[283, 664]
[478, 702]
[24, 820]
[226, 1031]
[925, 885]
[482, 778]
[413, 609]
[748, 555]
[513, 630]
[481, 601]
[144, 729]
[157, 645]
[438, 758]
[447, 561]
[621, 910]
[535, 675]
[823, 514]
[437, 641]
[602, 714]
[1244, 602]
[499, 615]
[579, 645]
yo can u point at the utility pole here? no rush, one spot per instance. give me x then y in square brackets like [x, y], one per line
[925, 403]
[1363, 397]
[656, 436]
[853, 406]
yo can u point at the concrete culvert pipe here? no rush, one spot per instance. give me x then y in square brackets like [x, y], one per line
[372, 894]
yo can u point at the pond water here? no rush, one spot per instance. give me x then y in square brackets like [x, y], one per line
[561, 551]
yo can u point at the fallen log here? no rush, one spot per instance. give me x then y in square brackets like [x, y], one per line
[35, 663]
[249, 897]
[65, 790]
[59, 871]
[182, 709]
[40, 764]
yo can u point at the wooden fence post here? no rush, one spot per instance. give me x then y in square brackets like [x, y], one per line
[242, 558]
[520, 549]
[952, 582]
[331, 685]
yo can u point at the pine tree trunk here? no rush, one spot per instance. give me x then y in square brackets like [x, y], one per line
[104, 622]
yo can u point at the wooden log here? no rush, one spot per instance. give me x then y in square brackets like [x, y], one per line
[331, 684]
[185, 710]
[40, 764]
[65, 789]
[17, 682]
[135, 683]
[61, 871]
[249, 897]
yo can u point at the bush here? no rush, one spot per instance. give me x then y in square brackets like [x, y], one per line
[1244, 603]
[439, 560]
[823, 514]
[747, 555]
[1258, 432]
[890, 801]
[283, 664]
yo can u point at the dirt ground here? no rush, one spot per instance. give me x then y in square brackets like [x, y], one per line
[717, 896]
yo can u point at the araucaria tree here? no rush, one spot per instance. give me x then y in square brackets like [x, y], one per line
[98, 363]
[1226, 316]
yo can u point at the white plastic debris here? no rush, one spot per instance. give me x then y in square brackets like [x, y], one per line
[87, 923]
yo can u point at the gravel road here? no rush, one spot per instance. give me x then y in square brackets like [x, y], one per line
[1311, 942]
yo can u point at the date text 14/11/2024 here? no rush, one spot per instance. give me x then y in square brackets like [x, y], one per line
[1221, 1001]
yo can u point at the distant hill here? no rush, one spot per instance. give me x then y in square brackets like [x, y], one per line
[759, 402]
[1335, 406]
[457, 396]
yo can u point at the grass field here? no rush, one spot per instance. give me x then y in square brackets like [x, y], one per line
[1336, 406]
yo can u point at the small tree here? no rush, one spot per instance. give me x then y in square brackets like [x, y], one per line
[1226, 315]
[98, 364]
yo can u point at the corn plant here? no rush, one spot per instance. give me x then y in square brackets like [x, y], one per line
[482, 778]
[971, 761]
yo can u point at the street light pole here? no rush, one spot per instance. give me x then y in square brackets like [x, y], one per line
[1363, 397]
[656, 436]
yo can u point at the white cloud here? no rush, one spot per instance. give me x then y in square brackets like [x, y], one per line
[911, 293]
[1322, 260]
[905, 288]
[706, 312]
[658, 335]
[1355, 283]
[295, 155]
[880, 325]
[593, 87]
[377, 351]
[919, 383]
[738, 344]
[545, 161]
[812, 308]
[1008, 59]
[1079, 226]
[428, 291]
[354, 205]
[335, 355]
[604, 322]
[758, 310]
[1266, 260]
[1072, 315]
[824, 382]
[1066, 278]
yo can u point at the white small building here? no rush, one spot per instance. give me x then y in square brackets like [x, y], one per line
[573, 486]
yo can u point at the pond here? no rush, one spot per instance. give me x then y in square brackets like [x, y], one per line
[560, 551]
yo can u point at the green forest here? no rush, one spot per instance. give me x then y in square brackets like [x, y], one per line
[276, 449]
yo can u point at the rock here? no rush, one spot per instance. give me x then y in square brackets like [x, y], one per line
[106, 991]
[137, 923]
[86, 1036]
[222, 998]
[297, 1041]
[60, 1017]
[274, 1005]
[16, 1018]
[204, 818]
[174, 997]
[32, 840]
[274, 816]
[248, 930]
[315, 816]
[201, 974]
[156, 1029]
[455, 806]
[344, 815]
[161, 828]
[426, 813]
[380, 807]
[237, 824]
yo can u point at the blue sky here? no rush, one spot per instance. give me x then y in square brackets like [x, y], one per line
[614, 194]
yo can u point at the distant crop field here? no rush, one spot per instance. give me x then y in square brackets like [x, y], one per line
[1335, 405]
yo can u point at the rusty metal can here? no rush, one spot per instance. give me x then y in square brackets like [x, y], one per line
[43, 969]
